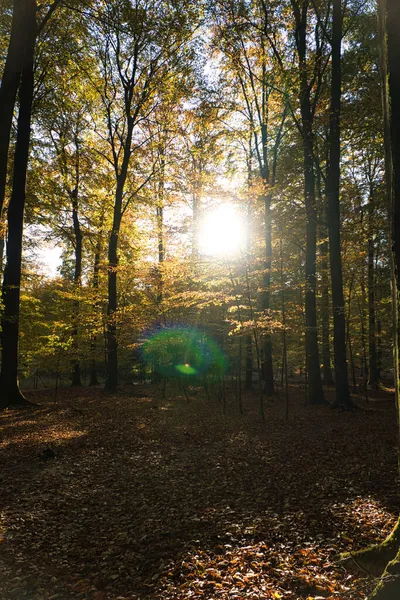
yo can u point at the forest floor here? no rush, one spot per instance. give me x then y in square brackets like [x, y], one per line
[135, 497]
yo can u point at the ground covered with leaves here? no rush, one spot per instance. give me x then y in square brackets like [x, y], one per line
[136, 497]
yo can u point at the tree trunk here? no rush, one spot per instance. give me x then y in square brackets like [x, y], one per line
[76, 370]
[325, 305]
[196, 207]
[326, 345]
[112, 347]
[315, 392]
[373, 362]
[249, 364]
[388, 587]
[268, 368]
[393, 46]
[96, 270]
[10, 392]
[9, 87]
[112, 305]
[343, 398]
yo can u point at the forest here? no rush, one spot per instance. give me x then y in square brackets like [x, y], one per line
[200, 270]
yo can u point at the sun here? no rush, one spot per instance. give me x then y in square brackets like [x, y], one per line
[222, 231]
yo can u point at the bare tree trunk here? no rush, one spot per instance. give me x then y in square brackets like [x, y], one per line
[315, 392]
[373, 363]
[9, 87]
[268, 368]
[284, 362]
[333, 192]
[96, 271]
[112, 306]
[76, 370]
[388, 587]
[10, 392]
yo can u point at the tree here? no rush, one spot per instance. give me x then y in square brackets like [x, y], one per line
[333, 192]
[139, 46]
[29, 30]
[307, 110]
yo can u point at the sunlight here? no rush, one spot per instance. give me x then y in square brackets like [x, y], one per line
[222, 231]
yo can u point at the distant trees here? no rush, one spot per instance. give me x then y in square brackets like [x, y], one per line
[139, 48]
[146, 121]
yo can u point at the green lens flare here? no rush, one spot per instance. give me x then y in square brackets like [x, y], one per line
[185, 369]
[179, 351]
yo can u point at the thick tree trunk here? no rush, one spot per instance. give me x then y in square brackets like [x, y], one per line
[324, 271]
[393, 46]
[343, 398]
[112, 306]
[10, 392]
[389, 585]
[9, 87]
[112, 347]
[315, 392]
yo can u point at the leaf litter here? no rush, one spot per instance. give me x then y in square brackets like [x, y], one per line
[135, 497]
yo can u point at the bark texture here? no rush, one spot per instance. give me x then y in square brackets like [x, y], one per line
[315, 392]
[10, 392]
[9, 87]
[343, 398]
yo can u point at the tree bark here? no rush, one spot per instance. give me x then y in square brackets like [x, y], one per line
[373, 361]
[325, 304]
[315, 392]
[342, 398]
[9, 87]
[388, 587]
[10, 392]
[76, 370]
[268, 368]
[112, 306]
[96, 273]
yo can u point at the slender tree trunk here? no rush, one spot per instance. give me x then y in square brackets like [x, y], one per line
[268, 368]
[248, 385]
[333, 192]
[196, 207]
[76, 369]
[93, 344]
[326, 345]
[2, 238]
[10, 392]
[284, 361]
[373, 362]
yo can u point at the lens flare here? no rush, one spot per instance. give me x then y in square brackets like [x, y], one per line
[181, 351]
